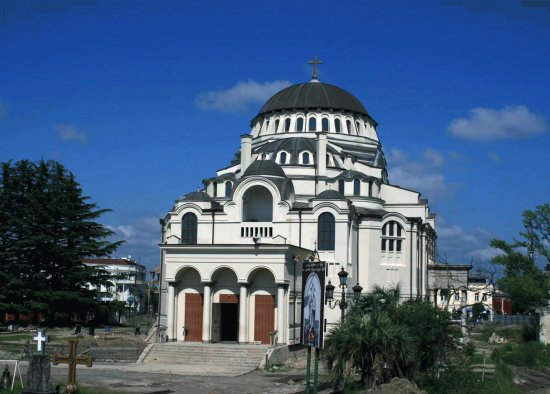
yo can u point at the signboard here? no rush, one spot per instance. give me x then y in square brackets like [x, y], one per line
[313, 302]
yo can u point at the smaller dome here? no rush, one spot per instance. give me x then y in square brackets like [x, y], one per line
[330, 195]
[265, 168]
[197, 196]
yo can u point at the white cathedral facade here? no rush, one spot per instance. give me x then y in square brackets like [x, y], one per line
[310, 177]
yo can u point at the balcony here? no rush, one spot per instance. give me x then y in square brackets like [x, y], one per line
[257, 229]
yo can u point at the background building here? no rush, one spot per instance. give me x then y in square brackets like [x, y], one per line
[310, 176]
[128, 279]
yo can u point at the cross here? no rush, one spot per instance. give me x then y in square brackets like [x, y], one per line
[315, 62]
[40, 338]
[72, 360]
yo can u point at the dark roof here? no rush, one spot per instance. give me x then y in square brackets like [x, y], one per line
[109, 261]
[330, 195]
[197, 196]
[314, 95]
[264, 168]
[352, 174]
[369, 212]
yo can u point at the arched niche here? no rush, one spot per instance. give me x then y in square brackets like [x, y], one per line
[257, 205]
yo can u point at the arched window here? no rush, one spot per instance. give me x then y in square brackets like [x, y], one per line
[282, 158]
[370, 189]
[392, 238]
[356, 187]
[324, 124]
[312, 124]
[300, 124]
[257, 205]
[287, 125]
[342, 187]
[329, 160]
[305, 158]
[276, 126]
[357, 127]
[228, 189]
[215, 189]
[267, 126]
[348, 126]
[189, 229]
[337, 125]
[325, 231]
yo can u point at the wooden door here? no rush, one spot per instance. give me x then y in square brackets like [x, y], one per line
[264, 318]
[216, 322]
[193, 317]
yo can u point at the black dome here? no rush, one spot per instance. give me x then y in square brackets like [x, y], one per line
[265, 167]
[313, 95]
[197, 196]
[330, 195]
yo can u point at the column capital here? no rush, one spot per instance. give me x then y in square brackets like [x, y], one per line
[245, 284]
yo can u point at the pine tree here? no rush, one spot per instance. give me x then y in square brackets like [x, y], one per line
[46, 228]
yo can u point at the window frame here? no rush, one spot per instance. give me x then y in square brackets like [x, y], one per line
[326, 232]
[189, 235]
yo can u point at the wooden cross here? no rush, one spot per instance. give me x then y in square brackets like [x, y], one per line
[72, 360]
[40, 338]
[315, 62]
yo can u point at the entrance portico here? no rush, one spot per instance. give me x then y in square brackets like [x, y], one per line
[242, 302]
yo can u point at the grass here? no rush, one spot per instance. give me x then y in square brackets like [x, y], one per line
[525, 354]
[14, 337]
[510, 333]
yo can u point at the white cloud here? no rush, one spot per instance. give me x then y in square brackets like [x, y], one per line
[425, 176]
[240, 96]
[3, 112]
[142, 236]
[71, 133]
[484, 254]
[487, 124]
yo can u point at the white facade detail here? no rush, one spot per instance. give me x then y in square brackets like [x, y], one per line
[310, 176]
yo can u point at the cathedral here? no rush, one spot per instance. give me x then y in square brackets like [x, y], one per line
[309, 181]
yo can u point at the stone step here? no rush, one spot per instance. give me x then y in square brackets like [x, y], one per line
[234, 355]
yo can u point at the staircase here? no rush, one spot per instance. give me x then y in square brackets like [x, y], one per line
[237, 357]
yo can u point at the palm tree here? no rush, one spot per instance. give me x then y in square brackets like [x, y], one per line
[371, 340]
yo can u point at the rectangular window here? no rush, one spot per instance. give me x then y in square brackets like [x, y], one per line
[476, 296]
[464, 296]
[383, 245]
[457, 296]
[484, 297]
[391, 245]
[398, 246]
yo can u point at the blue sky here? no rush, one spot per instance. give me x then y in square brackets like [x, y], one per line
[143, 100]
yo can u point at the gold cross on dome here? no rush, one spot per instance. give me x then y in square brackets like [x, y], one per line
[315, 62]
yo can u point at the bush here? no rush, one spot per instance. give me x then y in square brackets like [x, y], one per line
[528, 333]
[527, 354]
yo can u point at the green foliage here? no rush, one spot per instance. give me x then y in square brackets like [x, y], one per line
[46, 228]
[524, 354]
[384, 339]
[430, 327]
[477, 310]
[523, 280]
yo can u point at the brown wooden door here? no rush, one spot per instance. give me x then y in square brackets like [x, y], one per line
[193, 317]
[264, 319]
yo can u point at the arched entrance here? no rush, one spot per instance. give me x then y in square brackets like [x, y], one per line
[262, 292]
[189, 306]
[225, 306]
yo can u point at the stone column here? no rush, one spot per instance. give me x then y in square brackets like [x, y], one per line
[243, 314]
[206, 313]
[321, 164]
[170, 318]
[281, 332]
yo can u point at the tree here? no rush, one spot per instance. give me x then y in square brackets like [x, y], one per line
[384, 339]
[523, 280]
[46, 228]
[369, 339]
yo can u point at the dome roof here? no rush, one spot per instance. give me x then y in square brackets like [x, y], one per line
[313, 95]
[197, 196]
[265, 168]
[330, 195]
